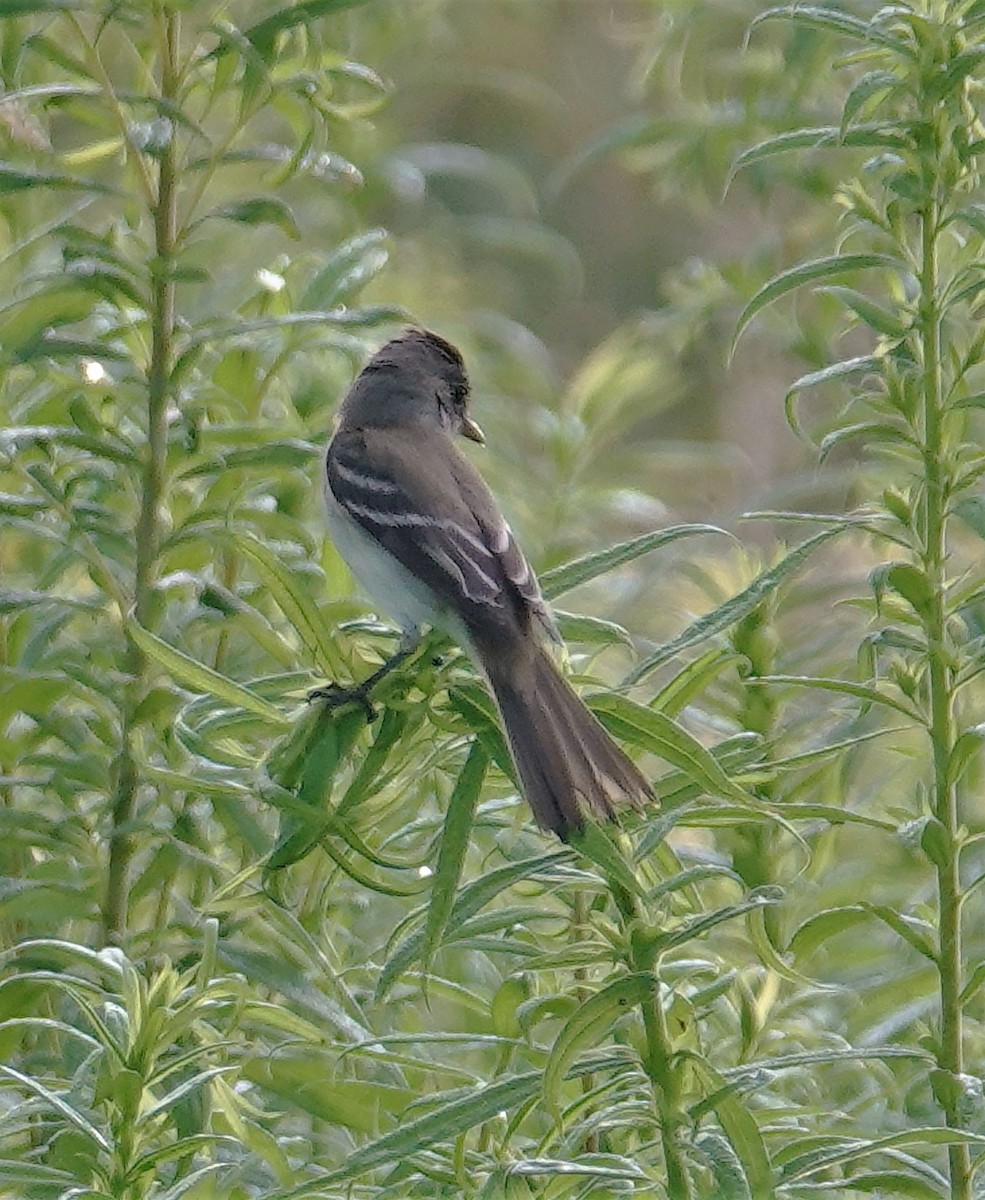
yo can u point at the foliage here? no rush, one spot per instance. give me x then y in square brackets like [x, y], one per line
[258, 948]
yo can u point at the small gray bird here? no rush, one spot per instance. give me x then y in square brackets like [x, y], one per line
[422, 533]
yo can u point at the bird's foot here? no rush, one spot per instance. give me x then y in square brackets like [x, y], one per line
[336, 696]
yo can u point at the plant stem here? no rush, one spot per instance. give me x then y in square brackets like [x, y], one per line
[148, 531]
[941, 692]
[658, 1056]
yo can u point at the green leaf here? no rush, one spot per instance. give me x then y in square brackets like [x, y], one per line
[600, 845]
[33, 1177]
[815, 138]
[559, 580]
[454, 846]
[804, 273]
[755, 901]
[855, 1150]
[875, 85]
[391, 728]
[185, 1088]
[474, 704]
[272, 453]
[965, 749]
[16, 8]
[23, 179]
[879, 431]
[897, 1184]
[912, 584]
[974, 984]
[59, 1105]
[303, 1079]
[589, 1166]
[347, 270]
[882, 320]
[506, 1001]
[468, 902]
[971, 509]
[919, 934]
[737, 607]
[652, 730]
[440, 1126]
[199, 678]
[740, 1128]
[330, 738]
[588, 1025]
[692, 680]
[860, 691]
[839, 370]
[264, 33]
[288, 592]
[833, 20]
[259, 210]
[590, 631]
[816, 930]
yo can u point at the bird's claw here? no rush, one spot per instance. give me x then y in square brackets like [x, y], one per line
[335, 696]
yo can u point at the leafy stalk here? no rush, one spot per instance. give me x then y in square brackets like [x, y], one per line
[658, 1062]
[925, 64]
[937, 487]
[148, 530]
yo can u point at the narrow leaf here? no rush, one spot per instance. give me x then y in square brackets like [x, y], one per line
[454, 845]
[796, 277]
[260, 210]
[814, 138]
[347, 269]
[737, 607]
[741, 1129]
[588, 1024]
[21, 179]
[860, 691]
[60, 1106]
[468, 902]
[840, 370]
[653, 730]
[263, 33]
[559, 580]
[443, 1124]
[882, 320]
[199, 678]
[286, 589]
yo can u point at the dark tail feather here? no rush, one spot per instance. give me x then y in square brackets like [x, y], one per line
[568, 765]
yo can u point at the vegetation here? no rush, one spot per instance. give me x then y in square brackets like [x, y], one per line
[253, 948]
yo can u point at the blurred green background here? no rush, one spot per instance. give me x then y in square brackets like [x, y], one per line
[211, 213]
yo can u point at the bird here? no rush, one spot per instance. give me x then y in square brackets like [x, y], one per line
[422, 533]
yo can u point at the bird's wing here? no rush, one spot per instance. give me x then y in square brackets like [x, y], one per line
[425, 504]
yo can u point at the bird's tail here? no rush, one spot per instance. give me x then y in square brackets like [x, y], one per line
[568, 765]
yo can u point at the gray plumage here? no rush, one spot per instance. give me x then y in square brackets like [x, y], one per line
[422, 532]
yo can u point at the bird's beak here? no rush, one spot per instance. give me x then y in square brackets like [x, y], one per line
[472, 431]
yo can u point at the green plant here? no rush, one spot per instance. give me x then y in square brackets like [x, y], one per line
[408, 992]
[148, 141]
[912, 232]
[126, 1086]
